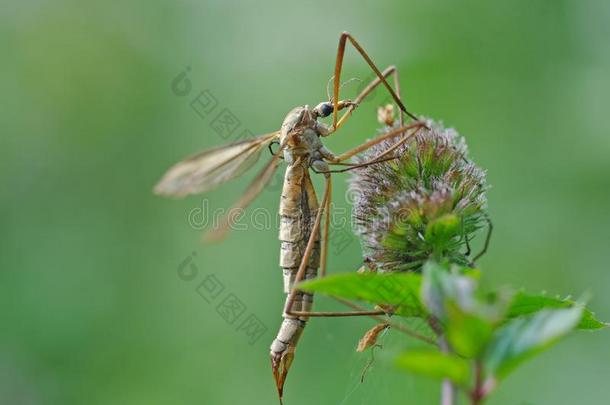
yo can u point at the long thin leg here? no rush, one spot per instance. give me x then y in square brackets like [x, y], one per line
[377, 159]
[339, 64]
[398, 131]
[487, 240]
[308, 250]
[303, 266]
[361, 165]
[337, 314]
[359, 311]
[382, 156]
[324, 255]
[390, 70]
[397, 326]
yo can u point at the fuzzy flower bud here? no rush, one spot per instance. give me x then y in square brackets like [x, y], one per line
[426, 203]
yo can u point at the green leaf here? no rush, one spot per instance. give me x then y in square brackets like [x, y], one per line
[440, 289]
[435, 364]
[468, 334]
[523, 337]
[524, 304]
[400, 290]
[451, 298]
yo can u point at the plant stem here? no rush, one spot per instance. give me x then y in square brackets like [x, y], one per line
[448, 389]
[478, 393]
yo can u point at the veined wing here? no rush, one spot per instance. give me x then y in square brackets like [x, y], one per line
[210, 168]
[254, 189]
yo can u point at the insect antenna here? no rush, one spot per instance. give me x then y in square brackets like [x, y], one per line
[328, 87]
[340, 87]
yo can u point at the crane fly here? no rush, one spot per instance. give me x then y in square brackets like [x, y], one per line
[303, 244]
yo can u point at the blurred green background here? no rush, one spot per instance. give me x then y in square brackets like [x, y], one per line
[93, 310]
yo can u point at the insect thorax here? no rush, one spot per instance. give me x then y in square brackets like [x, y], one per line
[299, 131]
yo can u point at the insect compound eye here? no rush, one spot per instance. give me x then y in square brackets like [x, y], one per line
[324, 109]
[327, 109]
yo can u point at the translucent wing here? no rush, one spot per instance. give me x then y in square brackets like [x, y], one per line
[210, 168]
[254, 189]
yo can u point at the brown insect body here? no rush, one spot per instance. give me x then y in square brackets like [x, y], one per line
[298, 208]
[303, 246]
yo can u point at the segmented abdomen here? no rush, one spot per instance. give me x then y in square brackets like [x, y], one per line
[298, 209]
